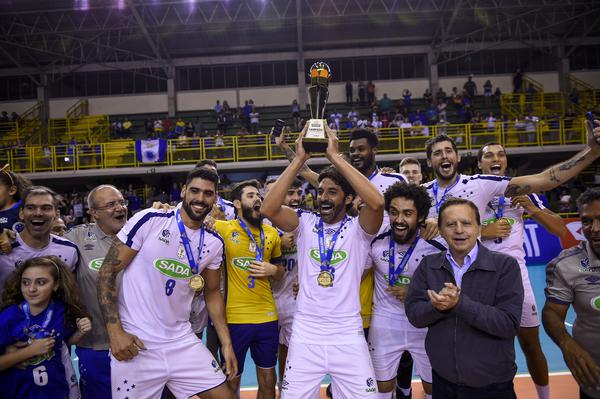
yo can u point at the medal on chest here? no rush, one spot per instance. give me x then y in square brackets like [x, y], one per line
[196, 282]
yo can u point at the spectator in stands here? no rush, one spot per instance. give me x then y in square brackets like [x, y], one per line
[470, 87]
[245, 116]
[158, 127]
[296, 114]
[179, 127]
[362, 123]
[148, 126]
[487, 92]
[14, 117]
[362, 92]
[431, 114]
[407, 96]
[401, 108]
[518, 81]
[497, 94]
[428, 97]
[222, 122]
[376, 123]
[565, 201]
[127, 126]
[441, 108]
[334, 120]
[353, 116]
[349, 99]
[397, 121]
[456, 98]
[531, 123]
[218, 108]
[491, 122]
[370, 92]
[574, 96]
[441, 95]
[385, 104]
[254, 120]
[189, 129]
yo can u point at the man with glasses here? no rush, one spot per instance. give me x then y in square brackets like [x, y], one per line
[108, 209]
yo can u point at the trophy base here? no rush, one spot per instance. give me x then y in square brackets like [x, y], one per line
[315, 139]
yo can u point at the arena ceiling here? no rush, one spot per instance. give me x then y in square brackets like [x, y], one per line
[42, 35]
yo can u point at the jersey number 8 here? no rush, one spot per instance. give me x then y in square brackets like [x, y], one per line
[169, 287]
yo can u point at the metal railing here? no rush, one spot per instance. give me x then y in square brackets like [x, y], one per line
[540, 104]
[122, 153]
[77, 110]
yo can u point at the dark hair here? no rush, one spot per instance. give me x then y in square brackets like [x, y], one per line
[236, 191]
[457, 201]
[590, 195]
[203, 173]
[10, 179]
[41, 190]
[333, 174]
[439, 139]
[417, 194]
[409, 160]
[67, 292]
[365, 134]
[206, 162]
[480, 151]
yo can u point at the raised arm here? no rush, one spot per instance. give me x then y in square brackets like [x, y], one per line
[284, 217]
[216, 311]
[548, 219]
[123, 346]
[307, 173]
[371, 215]
[558, 174]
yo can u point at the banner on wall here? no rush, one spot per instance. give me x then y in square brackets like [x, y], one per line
[149, 151]
[540, 246]
[574, 234]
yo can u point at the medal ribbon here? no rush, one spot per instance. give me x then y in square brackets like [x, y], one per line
[49, 314]
[435, 189]
[260, 250]
[394, 271]
[326, 256]
[186, 243]
[499, 213]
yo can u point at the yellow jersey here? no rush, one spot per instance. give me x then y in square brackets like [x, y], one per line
[366, 297]
[248, 300]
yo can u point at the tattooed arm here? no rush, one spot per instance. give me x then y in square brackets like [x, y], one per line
[123, 346]
[307, 173]
[558, 174]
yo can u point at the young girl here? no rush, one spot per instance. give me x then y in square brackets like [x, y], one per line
[40, 311]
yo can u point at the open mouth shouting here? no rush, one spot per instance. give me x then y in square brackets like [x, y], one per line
[446, 167]
[496, 169]
[326, 209]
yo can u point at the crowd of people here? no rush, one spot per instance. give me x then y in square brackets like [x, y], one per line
[386, 272]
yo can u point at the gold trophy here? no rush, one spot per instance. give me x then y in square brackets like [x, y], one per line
[315, 139]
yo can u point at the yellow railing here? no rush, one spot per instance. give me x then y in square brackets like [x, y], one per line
[121, 153]
[529, 81]
[79, 109]
[540, 104]
[588, 97]
[86, 128]
[24, 128]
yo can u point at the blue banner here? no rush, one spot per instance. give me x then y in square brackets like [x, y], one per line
[540, 246]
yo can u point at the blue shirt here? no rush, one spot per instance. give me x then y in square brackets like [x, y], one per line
[459, 271]
[10, 216]
[40, 377]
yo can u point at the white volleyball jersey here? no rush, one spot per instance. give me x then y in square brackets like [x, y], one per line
[382, 181]
[227, 208]
[155, 300]
[513, 244]
[479, 189]
[283, 290]
[384, 303]
[62, 248]
[330, 315]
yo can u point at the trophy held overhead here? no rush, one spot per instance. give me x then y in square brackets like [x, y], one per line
[315, 139]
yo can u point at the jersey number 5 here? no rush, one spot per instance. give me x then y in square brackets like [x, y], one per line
[40, 376]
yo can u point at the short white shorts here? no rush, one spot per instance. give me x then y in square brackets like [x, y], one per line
[185, 366]
[529, 316]
[349, 366]
[388, 339]
[285, 329]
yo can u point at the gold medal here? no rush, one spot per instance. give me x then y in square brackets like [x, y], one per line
[504, 221]
[196, 282]
[325, 279]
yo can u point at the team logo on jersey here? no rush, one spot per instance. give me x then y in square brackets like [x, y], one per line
[18, 227]
[235, 237]
[385, 255]
[593, 280]
[95, 264]
[164, 236]
[511, 221]
[3, 220]
[595, 303]
[91, 236]
[173, 268]
[242, 262]
[585, 263]
[370, 385]
[337, 257]
[400, 280]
